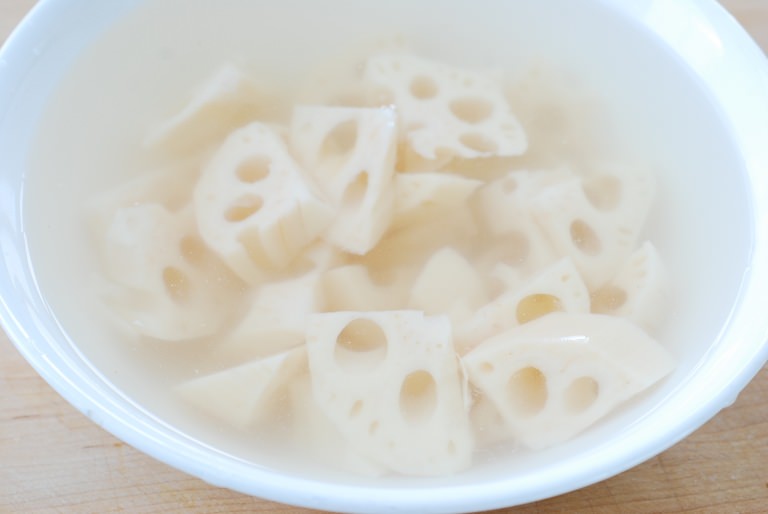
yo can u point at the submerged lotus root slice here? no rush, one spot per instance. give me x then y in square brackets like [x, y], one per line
[499, 203]
[243, 395]
[170, 286]
[350, 154]
[504, 213]
[422, 197]
[411, 246]
[170, 187]
[558, 288]
[316, 437]
[254, 206]
[448, 284]
[275, 321]
[353, 288]
[487, 422]
[391, 383]
[225, 101]
[446, 110]
[596, 221]
[555, 376]
[638, 292]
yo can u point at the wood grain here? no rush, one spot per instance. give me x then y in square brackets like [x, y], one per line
[53, 459]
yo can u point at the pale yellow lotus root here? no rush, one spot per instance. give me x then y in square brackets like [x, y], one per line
[556, 288]
[391, 383]
[316, 437]
[242, 396]
[504, 213]
[410, 246]
[596, 221]
[488, 424]
[226, 100]
[254, 206]
[275, 319]
[423, 197]
[165, 282]
[639, 291]
[448, 111]
[555, 376]
[352, 288]
[170, 187]
[448, 284]
[350, 153]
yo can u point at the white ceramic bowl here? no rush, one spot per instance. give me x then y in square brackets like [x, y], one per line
[704, 84]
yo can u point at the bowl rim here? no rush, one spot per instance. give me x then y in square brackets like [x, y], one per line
[750, 121]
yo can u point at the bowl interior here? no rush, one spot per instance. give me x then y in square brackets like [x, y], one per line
[636, 100]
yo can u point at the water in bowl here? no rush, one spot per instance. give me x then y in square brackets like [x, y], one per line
[588, 85]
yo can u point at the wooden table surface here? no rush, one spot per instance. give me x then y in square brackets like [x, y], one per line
[53, 459]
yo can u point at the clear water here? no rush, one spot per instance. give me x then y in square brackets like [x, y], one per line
[588, 85]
